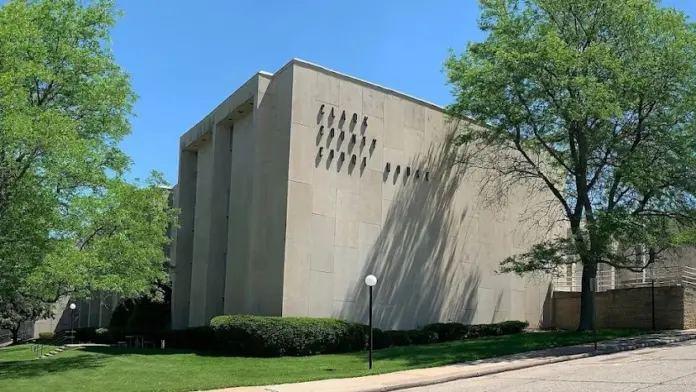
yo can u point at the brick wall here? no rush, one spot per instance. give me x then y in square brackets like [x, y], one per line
[629, 308]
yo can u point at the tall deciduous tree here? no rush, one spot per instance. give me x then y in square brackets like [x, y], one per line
[595, 102]
[16, 309]
[69, 222]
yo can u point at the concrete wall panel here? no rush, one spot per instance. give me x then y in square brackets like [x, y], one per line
[201, 236]
[306, 223]
[433, 245]
[183, 248]
[240, 220]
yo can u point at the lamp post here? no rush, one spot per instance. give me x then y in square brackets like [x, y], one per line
[72, 320]
[370, 281]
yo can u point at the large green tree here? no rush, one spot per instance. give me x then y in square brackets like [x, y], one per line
[593, 101]
[69, 221]
[16, 309]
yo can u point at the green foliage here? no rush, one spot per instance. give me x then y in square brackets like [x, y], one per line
[69, 222]
[448, 331]
[397, 338]
[103, 336]
[422, 336]
[592, 103]
[86, 335]
[47, 335]
[16, 309]
[195, 338]
[259, 336]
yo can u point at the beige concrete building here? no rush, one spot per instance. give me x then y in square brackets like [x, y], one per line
[304, 181]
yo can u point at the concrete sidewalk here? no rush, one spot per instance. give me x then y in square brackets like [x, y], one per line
[422, 377]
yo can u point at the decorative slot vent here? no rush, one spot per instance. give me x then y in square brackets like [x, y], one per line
[321, 109]
[388, 168]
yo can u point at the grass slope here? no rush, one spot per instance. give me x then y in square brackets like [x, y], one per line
[149, 370]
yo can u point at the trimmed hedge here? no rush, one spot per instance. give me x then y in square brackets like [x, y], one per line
[88, 334]
[454, 331]
[259, 336]
[103, 336]
[46, 335]
[196, 338]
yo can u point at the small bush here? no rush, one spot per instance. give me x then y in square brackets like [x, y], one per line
[513, 326]
[286, 336]
[422, 336]
[103, 336]
[85, 335]
[447, 331]
[380, 340]
[196, 338]
[398, 338]
[498, 329]
[46, 335]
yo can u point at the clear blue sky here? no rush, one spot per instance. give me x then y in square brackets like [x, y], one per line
[185, 57]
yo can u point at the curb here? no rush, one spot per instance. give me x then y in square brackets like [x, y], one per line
[481, 373]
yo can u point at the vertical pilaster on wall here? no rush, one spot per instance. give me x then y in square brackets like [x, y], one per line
[217, 261]
[186, 199]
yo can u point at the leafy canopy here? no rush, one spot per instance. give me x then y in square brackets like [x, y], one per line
[593, 102]
[69, 222]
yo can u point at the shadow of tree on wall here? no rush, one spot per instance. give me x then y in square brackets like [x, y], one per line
[420, 274]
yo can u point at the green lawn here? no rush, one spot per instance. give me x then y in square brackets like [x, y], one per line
[114, 369]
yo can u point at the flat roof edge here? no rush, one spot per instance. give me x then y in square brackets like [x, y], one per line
[361, 81]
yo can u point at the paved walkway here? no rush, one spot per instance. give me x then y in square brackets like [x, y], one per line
[423, 377]
[670, 368]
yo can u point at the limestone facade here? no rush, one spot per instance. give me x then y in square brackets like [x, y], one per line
[304, 181]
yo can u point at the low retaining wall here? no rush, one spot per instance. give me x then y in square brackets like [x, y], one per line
[629, 308]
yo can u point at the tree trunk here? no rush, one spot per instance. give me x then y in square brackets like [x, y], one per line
[587, 305]
[15, 334]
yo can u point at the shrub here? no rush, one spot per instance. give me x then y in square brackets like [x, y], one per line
[513, 326]
[398, 338]
[88, 334]
[286, 336]
[422, 336]
[502, 328]
[46, 335]
[196, 338]
[103, 336]
[448, 331]
[380, 340]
